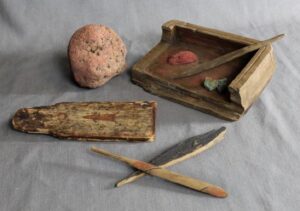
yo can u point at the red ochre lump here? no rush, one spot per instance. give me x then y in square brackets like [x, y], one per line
[182, 57]
[96, 54]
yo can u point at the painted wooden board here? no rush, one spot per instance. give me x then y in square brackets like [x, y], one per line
[247, 75]
[94, 121]
[180, 152]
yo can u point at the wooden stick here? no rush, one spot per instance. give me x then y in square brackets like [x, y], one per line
[165, 174]
[225, 58]
[180, 152]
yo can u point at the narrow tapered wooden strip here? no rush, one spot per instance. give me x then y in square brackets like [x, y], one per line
[165, 174]
[95, 121]
[180, 152]
[225, 58]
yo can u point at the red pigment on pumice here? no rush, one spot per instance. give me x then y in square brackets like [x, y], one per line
[182, 57]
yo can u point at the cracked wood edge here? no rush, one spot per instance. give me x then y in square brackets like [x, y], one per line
[92, 121]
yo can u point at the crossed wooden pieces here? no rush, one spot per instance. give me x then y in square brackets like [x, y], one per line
[171, 156]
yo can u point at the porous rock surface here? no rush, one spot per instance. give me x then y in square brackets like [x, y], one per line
[96, 54]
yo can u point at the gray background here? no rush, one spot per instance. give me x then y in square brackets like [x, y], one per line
[257, 163]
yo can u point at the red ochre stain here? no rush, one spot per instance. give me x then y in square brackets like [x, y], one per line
[143, 166]
[215, 191]
[182, 57]
[101, 117]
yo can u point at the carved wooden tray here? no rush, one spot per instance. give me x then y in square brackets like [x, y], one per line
[247, 75]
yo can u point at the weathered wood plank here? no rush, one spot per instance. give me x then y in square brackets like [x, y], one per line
[180, 152]
[168, 175]
[94, 121]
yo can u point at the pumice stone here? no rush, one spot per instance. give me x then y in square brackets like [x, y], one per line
[96, 54]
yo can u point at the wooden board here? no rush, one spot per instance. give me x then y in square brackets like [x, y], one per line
[180, 152]
[247, 75]
[132, 121]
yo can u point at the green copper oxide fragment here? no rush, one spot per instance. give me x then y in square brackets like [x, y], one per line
[222, 84]
[212, 84]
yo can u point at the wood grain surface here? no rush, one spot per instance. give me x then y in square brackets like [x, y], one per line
[131, 121]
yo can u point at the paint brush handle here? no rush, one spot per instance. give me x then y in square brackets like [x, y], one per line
[112, 155]
[225, 58]
[167, 175]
